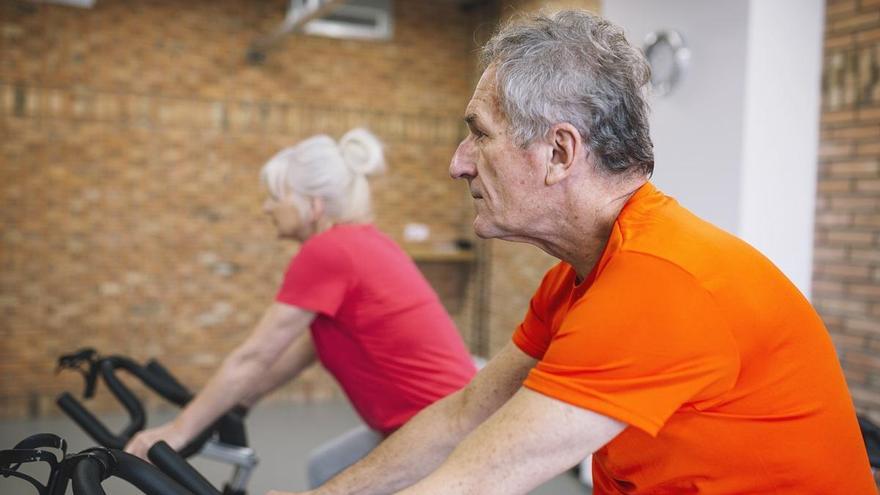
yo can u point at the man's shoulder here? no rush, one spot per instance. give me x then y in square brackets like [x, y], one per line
[675, 236]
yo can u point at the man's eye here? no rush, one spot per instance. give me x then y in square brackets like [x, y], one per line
[477, 134]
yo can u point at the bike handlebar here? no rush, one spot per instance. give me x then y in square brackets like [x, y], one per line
[93, 467]
[172, 464]
[230, 427]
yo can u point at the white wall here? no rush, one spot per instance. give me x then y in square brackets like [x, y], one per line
[736, 141]
[697, 129]
[781, 133]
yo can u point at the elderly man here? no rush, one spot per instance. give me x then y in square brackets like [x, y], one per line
[675, 352]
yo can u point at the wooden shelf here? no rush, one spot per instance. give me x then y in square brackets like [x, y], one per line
[428, 255]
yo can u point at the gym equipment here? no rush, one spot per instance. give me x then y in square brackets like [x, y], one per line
[87, 469]
[871, 435]
[223, 441]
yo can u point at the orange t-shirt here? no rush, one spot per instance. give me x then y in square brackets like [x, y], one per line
[723, 371]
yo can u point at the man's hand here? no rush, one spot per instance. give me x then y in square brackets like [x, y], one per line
[141, 443]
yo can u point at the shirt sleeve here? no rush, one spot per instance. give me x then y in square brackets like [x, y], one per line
[318, 278]
[644, 341]
[534, 334]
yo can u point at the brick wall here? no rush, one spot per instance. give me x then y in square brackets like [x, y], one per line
[846, 286]
[132, 135]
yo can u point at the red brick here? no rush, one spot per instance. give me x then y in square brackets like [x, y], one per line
[870, 220]
[871, 292]
[856, 168]
[866, 254]
[839, 41]
[837, 117]
[861, 132]
[869, 114]
[868, 149]
[828, 288]
[835, 149]
[841, 306]
[844, 271]
[866, 398]
[849, 237]
[838, 9]
[856, 22]
[844, 342]
[834, 185]
[855, 377]
[867, 185]
[827, 253]
[863, 360]
[861, 326]
[868, 36]
[855, 203]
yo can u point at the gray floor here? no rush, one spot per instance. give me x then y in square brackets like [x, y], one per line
[282, 436]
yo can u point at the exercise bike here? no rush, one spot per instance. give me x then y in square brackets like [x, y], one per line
[223, 441]
[169, 474]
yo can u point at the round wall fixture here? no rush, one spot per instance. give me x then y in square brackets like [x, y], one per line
[668, 56]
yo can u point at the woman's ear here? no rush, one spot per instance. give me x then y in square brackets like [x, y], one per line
[565, 142]
[317, 207]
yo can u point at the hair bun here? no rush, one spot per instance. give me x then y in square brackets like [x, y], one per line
[362, 152]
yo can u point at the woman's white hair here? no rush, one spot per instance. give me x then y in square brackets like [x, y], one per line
[319, 167]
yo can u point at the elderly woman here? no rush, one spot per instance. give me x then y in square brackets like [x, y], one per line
[350, 296]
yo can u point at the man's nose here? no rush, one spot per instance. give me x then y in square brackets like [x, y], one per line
[463, 161]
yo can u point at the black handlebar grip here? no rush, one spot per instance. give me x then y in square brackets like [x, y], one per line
[171, 463]
[172, 390]
[136, 414]
[89, 422]
[87, 477]
[196, 444]
[145, 476]
[230, 429]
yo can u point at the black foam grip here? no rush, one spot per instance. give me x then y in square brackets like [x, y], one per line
[137, 415]
[196, 444]
[231, 429]
[88, 422]
[87, 477]
[166, 385]
[145, 476]
[172, 464]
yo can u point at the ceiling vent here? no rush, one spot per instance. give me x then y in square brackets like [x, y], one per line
[355, 19]
[352, 19]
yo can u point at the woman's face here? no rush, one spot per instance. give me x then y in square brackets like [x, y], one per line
[286, 217]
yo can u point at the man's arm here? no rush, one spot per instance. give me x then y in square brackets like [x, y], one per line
[280, 325]
[528, 441]
[424, 442]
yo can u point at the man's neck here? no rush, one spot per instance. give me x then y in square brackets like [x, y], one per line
[581, 237]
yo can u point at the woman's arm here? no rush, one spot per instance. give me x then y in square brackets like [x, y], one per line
[298, 356]
[423, 443]
[242, 371]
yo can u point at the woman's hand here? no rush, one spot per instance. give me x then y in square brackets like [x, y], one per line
[141, 443]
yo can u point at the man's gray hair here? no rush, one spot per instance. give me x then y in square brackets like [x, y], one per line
[574, 67]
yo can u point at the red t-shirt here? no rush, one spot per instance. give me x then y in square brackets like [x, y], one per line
[724, 372]
[380, 329]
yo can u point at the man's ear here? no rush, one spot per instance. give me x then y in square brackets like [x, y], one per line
[565, 143]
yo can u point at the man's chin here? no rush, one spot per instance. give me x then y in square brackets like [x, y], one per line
[485, 230]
